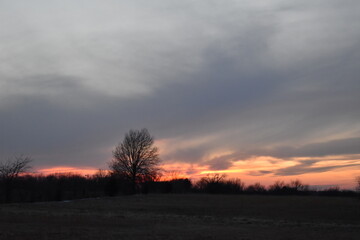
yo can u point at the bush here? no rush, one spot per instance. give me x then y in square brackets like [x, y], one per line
[256, 188]
[217, 184]
[294, 187]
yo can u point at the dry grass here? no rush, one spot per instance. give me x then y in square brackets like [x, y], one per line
[184, 217]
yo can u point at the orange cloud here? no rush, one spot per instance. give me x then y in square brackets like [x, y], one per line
[263, 169]
[67, 169]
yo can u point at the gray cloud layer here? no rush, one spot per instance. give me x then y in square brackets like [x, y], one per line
[276, 78]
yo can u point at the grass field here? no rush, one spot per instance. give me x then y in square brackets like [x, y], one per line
[185, 217]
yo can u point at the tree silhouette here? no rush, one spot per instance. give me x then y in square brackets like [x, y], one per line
[11, 169]
[135, 158]
[256, 188]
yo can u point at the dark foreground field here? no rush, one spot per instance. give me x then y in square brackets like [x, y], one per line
[184, 217]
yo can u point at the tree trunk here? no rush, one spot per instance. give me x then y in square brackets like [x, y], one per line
[133, 184]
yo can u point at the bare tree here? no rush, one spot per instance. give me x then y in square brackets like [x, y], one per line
[11, 169]
[209, 182]
[256, 188]
[136, 157]
[100, 174]
[298, 186]
[211, 179]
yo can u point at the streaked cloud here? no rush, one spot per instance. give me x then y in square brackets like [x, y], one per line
[305, 167]
[215, 83]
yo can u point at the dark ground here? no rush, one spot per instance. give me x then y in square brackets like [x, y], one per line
[185, 217]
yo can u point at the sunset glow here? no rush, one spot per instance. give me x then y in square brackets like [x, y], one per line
[258, 91]
[324, 171]
[65, 170]
[263, 170]
[248, 171]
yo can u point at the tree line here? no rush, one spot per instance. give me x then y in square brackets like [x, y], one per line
[60, 187]
[135, 168]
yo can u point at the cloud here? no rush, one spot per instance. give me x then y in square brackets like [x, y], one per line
[305, 167]
[220, 163]
[339, 147]
[259, 173]
[275, 78]
[299, 166]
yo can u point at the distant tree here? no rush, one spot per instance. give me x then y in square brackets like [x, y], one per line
[171, 175]
[136, 158]
[217, 183]
[100, 174]
[256, 188]
[332, 191]
[279, 187]
[358, 184]
[10, 170]
[209, 180]
[233, 186]
[298, 186]
[181, 185]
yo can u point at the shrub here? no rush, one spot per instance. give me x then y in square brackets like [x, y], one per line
[256, 188]
[217, 184]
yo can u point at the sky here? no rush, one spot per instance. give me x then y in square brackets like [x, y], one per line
[259, 90]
